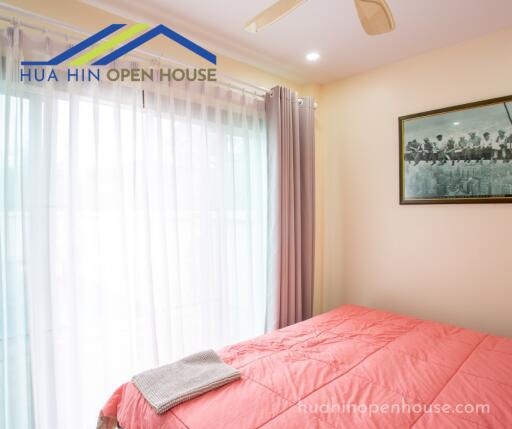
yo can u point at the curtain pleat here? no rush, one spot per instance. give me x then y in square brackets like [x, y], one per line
[290, 131]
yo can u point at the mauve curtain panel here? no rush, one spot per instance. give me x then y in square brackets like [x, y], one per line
[291, 150]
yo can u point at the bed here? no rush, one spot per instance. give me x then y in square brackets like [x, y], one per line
[353, 367]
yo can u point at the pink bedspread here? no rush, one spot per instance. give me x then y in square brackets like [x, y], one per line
[353, 367]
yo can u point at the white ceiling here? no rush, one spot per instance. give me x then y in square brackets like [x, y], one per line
[330, 27]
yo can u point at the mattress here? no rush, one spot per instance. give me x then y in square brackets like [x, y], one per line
[353, 367]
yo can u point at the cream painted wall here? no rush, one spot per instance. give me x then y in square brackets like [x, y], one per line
[364, 240]
[450, 263]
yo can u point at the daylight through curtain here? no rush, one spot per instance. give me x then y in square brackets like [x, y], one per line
[131, 235]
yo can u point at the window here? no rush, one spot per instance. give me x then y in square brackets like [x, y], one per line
[130, 237]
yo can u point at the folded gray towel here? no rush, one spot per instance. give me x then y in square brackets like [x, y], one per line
[171, 384]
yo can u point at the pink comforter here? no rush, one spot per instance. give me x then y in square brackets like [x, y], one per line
[353, 367]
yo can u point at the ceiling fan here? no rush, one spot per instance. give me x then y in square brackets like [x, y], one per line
[375, 15]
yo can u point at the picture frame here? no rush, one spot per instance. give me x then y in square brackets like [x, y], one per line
[457, 155]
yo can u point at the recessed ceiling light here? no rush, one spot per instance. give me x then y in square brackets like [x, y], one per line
[456, 123]
[313, 56]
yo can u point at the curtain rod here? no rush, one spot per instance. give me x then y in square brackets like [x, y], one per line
[228, 81]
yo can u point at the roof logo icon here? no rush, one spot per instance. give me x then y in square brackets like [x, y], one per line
[99, 56]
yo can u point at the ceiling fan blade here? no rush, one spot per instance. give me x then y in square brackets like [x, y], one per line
[375, 16]
[272, 14]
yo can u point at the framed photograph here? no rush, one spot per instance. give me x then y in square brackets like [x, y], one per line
[461, 154]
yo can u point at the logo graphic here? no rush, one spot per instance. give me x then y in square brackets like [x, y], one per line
[99, 56]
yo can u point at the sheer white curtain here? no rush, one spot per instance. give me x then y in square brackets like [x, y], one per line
[131, 234]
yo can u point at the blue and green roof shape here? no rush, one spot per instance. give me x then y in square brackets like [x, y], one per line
[99, 56]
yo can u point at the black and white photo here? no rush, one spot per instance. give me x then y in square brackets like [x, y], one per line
[461, 154]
